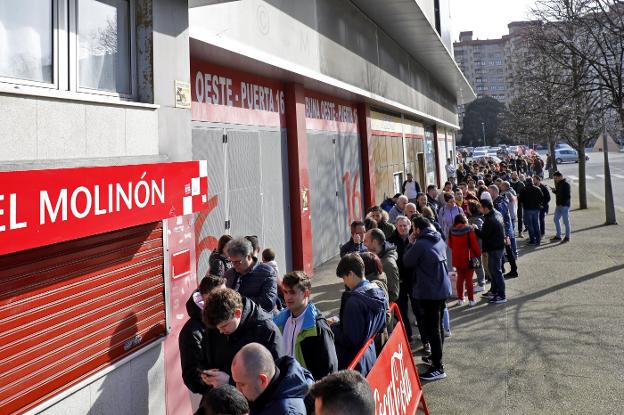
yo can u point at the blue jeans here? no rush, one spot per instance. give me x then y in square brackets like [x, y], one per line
[495, 266]
[562, 212]
[531, 219]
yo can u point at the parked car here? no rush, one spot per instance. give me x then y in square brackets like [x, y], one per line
[478, 153]
[566, 155]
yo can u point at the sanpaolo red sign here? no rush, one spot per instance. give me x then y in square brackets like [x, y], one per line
[42, 207]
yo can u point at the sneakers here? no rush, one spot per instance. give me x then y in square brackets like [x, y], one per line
[498, 300]
[433, 374]
[427, 349]
[555, 239]
[460, 302]
[479, 288]
[565, 240]
[488, 295]
[520, 235]
[427, 360]
[472, 303]
[447, 333]
[511, 274]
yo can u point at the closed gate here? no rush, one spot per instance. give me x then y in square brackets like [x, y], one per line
[248, 174]
[335, 190]
[69, 310]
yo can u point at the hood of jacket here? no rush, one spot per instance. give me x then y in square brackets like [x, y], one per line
[389, 251]
[459, 230]
[291, 381]
[251, 311]
[371, 296]
[310, 315]
[430, 234]
[192, 306]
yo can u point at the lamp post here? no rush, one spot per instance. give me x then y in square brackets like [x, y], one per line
[483, 129]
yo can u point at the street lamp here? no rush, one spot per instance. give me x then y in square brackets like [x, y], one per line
[483, 128]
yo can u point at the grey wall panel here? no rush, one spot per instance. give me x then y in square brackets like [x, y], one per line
[208, 145]
[326, 238]
[349, 182]
[275, 197]
[136, 387]
[244, 182]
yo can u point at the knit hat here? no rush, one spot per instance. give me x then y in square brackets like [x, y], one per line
[486, 196]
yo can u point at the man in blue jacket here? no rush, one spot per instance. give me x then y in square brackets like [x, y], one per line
[250, 277]
[272, 388]
[501, 204]
[363, 308]
[431, 287]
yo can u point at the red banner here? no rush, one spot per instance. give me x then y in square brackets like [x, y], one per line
[42, 207]
[225, 95]
[393, 378]
[327, 113]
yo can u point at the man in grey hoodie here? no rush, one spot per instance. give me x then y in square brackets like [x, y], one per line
[431, 287]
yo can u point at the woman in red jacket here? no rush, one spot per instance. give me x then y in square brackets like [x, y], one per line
[464, 245]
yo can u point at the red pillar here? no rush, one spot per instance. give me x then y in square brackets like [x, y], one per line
[299, 179]
[368, 159]
[437, 156]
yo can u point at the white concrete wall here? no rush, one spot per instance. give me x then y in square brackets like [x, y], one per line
[135, 388]
[35, 128]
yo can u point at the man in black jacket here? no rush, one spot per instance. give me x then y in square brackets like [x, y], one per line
[233, 321]
[306, 336]
[492, 235]
[532, 200]
[537, 181]
[563, 194]
[250, 277]
[192, 335]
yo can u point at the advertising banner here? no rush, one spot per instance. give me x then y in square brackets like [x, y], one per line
[43, 207]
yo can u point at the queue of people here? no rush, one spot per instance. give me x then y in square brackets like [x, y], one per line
[259, 331]
[273, 347]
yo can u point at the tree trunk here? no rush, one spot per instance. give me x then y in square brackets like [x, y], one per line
[582, 178]
[609, 204]
[553, 160]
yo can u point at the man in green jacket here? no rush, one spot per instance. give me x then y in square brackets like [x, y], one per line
[306, 336]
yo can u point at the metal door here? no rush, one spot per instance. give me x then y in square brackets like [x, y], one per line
[69, 310]
[248, 170]
[326, 235]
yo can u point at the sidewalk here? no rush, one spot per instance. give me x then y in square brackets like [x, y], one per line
[556, 347]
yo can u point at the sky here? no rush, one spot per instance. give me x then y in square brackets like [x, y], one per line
[488, 19]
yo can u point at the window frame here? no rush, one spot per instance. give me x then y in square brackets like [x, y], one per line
[74, 68]
[65, 79]
[28, 83]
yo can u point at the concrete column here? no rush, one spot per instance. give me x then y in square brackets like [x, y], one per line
[299, 179]
[437, 155]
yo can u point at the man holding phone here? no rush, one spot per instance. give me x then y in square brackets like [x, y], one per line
[234, 321]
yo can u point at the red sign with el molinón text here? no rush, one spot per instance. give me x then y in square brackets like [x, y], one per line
[42, 207]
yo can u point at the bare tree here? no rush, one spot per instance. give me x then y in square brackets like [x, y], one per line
[576, 78]
[598, 43]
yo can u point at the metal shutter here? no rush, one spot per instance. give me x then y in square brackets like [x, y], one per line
[70, 309]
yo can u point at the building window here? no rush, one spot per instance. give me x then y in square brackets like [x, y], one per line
[104, 45]
[81, 46]
[26, 40]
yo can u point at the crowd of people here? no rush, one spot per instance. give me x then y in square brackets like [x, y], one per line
[255, 342]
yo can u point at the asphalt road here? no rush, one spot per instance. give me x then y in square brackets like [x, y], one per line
[595, 176]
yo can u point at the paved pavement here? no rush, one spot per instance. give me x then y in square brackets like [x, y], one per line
[595, 176]
[557, 346]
